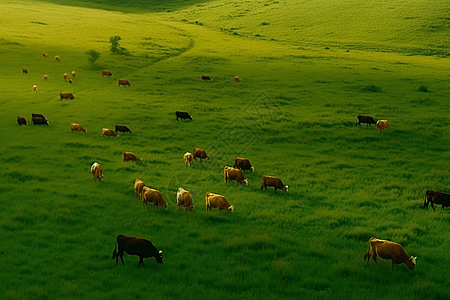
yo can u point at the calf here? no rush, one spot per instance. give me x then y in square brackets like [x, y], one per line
[66, 96]
[234, 174]
[364, 119]
[273, 181]
[122, 128]
[136, 246]
[184, 198]
[183, 115]
[200, 153]
[219, 201]
[21, 121]
[108, 132]
[388, 250]
[243, 164]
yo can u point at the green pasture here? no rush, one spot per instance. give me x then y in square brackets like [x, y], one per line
[307, 69]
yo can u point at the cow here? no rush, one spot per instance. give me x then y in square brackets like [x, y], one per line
[108, 132]
[77, 127]
[382, 125]
[66, 96]
[435, 197]
[364, 119]
[243, 164]
[39, 121]
[122, 128]
[123, 82]
[38, 116]
[234, 174]
[388, 250]
[21, 120]
[24, 71]
[44, 54]
[184, 198]
[107, 73]
[65, 76]
[97, 171]
[188, 158]
[70, 81]
[35, 89]
[57, 58]
[45, 77]
[127, 156]
[273, 181]
[74, 74]
[206, 78]
[200, 153]
[135, 246]
[183, 115]
[219, 201]
[152, 195]
[138, 186]
[237, 79]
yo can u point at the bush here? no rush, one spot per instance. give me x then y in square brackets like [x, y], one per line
[93, 56]
[116, 48]
[423, 89]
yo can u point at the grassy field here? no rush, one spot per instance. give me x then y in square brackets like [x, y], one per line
[307, 69]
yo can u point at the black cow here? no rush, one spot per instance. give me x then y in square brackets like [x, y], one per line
[206, 78]
[365, 119]
[38, 116]
[39, 121]
[21, 120]
[122, 128]
[435, 197]
[183, 115]
[136, 246]
[243, 164]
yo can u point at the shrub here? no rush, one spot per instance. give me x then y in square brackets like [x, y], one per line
[116, 48]
[423, 89]
[93, 56]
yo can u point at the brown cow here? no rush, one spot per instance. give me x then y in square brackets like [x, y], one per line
[123, 82]
[77, 127]
[107, 73]
[45, 77]
[152, 195]
[108, 132]
[127, 156]
[66, 96]
[206, 78]
[200, 153]
[243, 164]
[65, 76]
[39, 121]
[24, 71]
[388, 250]
[44, 54]
[234, 174]
[74, 74]
[35, 89]
[236, 79]
[382, 125]
[364, 119]
[138, 187]
[21, 120]
[219, 201]
[184, 198]
[57, 58]
[97, 171]
[136, 246]
[273, 181]
[188, 158]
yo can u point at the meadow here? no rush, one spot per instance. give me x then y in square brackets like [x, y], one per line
[307, 69]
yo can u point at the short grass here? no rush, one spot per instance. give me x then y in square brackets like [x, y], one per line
[293, 115]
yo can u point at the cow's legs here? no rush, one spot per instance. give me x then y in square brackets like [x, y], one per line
[121, 257]
[141, 261]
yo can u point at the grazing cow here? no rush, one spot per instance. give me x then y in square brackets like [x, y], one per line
[152, 195]
[77, 127]
[38, 116]
[136, 246]
[435, 197]
[206, 78]
[66, 96]
[138, 186]
[122, 128]
[219, 201]
[243, 164]
[65, 76]
[382, 125]
[200, 153]
[21, 120]
[74, 74]
[97, 171]
[44, 54]
[123, 82]
[108, 132]
[107, 73]
[24, 71]
[388, 250]
[183, 115]
[45, 77]
[39, 121]
[188, 158]
[237, 79]
[184, 198]
[364, 119]
[57, 58]
[127, 156]
[273, 181]
[70, 81]
[234, 174]
[35, 89]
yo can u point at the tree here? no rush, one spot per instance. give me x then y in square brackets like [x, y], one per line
[94, 55]
[116, 48]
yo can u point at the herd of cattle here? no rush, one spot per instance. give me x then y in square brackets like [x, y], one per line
[144, 249]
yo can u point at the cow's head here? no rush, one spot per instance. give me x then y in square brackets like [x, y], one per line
[159, 257]
[245, 182]
[285, 188]
[230, 209]
[252, 169]
[411, 262]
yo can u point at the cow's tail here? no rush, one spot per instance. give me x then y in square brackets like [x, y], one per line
[115, 247]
